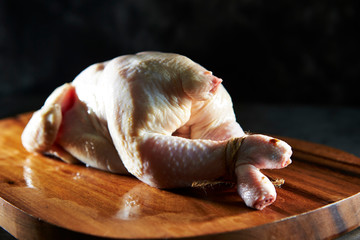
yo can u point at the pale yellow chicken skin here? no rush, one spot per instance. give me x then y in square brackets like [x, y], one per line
[160, 117]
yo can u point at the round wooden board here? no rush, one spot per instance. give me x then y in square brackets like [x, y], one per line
[43, 198]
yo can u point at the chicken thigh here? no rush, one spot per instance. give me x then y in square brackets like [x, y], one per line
[160, 117]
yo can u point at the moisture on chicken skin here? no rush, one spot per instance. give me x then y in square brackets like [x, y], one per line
[160, 117]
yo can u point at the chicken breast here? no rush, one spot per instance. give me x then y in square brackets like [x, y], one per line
[160, 117]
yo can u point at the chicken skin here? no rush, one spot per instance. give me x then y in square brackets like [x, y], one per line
[160, 117]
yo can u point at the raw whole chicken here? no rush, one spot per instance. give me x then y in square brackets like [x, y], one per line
[160, 117]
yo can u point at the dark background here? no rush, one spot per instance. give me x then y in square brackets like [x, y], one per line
[293, 52]
[291, 67]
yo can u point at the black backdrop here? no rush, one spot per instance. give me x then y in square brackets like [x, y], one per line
[277, 52]
[303, 52]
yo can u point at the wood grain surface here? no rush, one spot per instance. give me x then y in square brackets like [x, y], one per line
[43, 198]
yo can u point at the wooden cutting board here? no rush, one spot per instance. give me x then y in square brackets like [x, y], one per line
[43, 198]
